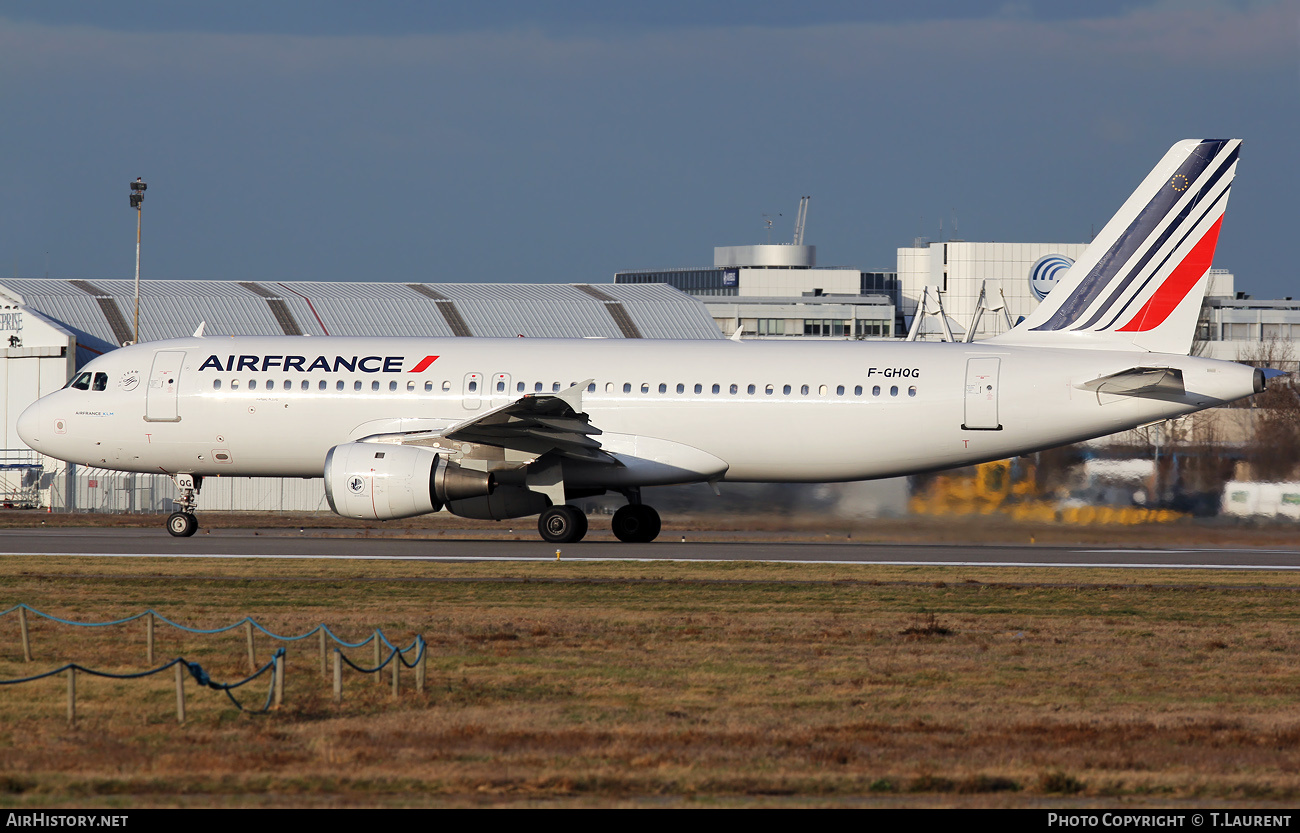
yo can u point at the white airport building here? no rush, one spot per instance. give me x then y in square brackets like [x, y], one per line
[778, 291]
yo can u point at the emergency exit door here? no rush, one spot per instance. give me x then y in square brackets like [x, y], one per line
[982, 395]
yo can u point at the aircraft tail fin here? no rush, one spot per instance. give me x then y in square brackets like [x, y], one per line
[1141, 282]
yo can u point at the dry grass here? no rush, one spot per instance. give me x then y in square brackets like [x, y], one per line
[617, 684]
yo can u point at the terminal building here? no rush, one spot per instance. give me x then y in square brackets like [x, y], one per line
[778, 291]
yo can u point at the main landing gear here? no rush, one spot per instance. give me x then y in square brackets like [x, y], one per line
[183, 524]
[562, 524]
[635, 523]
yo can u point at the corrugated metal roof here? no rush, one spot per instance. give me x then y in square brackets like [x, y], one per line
[171, 309]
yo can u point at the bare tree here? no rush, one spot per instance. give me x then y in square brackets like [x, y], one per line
[1274, 449]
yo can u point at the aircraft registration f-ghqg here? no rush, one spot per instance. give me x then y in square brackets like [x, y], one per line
[504, 428]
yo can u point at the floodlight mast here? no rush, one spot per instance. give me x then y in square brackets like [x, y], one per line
[137, 201]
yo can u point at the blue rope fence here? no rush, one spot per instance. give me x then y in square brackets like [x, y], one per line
[247, 620]
[275, 666]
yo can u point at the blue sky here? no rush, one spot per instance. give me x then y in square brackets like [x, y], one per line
[559, 142]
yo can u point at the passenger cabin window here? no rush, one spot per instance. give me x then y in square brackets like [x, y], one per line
[216, 384]
[374, 385]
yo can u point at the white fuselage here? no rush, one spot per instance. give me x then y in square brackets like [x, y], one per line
[709, 410]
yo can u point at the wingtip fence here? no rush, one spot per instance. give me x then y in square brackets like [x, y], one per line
[397, 657]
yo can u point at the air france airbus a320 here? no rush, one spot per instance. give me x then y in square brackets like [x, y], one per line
[503, 428]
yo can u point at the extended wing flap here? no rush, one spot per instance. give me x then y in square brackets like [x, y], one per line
[537, 424]
[1152, 382]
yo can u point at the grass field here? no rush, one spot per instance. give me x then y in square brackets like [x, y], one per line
[667, 684]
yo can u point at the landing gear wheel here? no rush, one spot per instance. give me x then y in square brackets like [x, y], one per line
[636, 524]
[562, 524]
[182, 524]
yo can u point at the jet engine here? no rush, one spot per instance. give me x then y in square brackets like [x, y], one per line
[379, 481]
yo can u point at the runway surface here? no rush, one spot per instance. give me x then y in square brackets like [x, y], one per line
[350, 544]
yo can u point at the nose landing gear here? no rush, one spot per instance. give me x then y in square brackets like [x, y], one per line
[183, 524]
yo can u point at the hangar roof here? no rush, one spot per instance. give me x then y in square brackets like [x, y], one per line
[99, 312]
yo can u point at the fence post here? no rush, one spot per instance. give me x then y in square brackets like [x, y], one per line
[248, 637]
[279, 678]
[180, 694]
[419, 666]
[72, 695]
[379, 678]
[148, 636]
[323, 671]
[27, 640]
[338, 676]
[397, 663]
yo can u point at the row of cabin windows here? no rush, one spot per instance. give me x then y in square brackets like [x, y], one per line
[610, 387]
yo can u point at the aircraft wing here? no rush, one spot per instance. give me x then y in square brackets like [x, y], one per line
[1152, 382]
[535, 424]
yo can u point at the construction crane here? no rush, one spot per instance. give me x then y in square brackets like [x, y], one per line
[800, 219]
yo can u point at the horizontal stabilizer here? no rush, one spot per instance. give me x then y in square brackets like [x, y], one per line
[1151, 382]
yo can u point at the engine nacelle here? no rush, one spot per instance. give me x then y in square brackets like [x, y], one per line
[379, 481]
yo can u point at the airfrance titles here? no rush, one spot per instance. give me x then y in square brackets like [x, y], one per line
[327, 364]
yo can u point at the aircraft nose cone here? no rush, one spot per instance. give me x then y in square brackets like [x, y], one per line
[29, 422]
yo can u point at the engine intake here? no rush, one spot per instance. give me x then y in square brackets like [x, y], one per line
[378, 481]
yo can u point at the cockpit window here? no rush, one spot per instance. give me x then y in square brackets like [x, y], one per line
[101, 381]
[82, 382]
